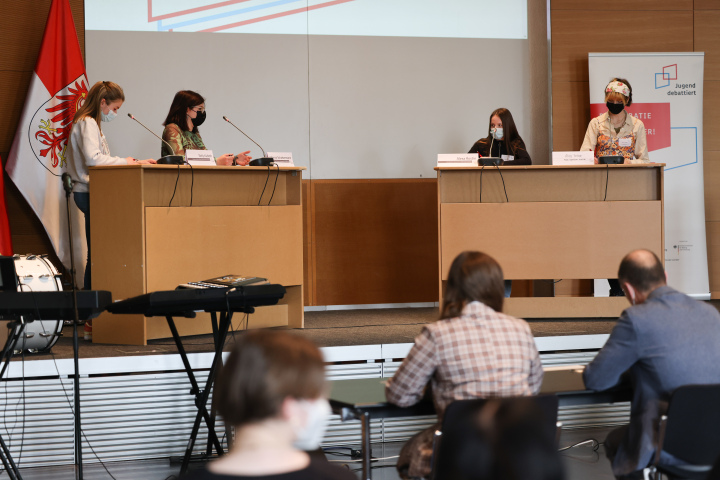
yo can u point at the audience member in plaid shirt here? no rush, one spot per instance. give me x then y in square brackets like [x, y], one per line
[473, 351]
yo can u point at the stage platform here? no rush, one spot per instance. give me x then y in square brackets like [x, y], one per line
[329, 328]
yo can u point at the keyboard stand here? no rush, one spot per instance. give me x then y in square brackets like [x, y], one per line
[13, 337]
[220, 332]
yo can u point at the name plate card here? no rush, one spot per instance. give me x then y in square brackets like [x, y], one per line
[282, 159]
[457, 159]
[199, 157]
[573, 158]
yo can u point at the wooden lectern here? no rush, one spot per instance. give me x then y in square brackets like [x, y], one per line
[557, 222]
[154, 227]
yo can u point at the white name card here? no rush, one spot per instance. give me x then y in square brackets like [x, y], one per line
[573, 158]
[199, 157]
[282, 159]
[457, 159]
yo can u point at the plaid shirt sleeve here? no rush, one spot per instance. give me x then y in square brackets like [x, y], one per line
[536, 372]
[408, 384]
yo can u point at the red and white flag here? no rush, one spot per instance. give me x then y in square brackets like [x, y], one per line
[5, 238]
[38, 154]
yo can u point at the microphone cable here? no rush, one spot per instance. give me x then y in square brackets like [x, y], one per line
[192, 182]
[176, 184]
[481, 185]
[264, 186]
[277, 174]
[607, 177]
[503, 182]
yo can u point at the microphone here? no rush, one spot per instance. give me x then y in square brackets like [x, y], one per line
[258, 162]
[167, 159]
[67, 182]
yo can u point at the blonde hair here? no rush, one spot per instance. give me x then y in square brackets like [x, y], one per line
[108, 91]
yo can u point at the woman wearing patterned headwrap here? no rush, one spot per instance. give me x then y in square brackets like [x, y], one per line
[616, 133]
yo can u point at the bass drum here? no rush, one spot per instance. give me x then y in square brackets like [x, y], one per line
[36, 274]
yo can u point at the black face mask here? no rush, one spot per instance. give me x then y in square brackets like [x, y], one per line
[615, 108]
[197, 121]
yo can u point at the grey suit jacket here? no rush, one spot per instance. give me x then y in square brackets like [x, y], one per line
[668, 341]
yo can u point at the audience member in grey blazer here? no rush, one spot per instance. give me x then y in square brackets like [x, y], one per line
[663, 341]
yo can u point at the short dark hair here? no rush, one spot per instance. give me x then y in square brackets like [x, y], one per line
[643, 274]
[263, 369]
[183, 100]
[473, 276]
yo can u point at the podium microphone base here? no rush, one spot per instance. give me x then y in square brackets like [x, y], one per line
[262, 162]
[171, 160]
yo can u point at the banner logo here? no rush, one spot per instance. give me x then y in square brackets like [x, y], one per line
[669, 72]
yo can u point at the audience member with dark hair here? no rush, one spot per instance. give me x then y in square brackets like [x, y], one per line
[664, 340]
[505, 439]
[272, 390]
[473, 351]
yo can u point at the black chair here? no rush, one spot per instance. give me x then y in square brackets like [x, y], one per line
[690, 431]
[461, 444]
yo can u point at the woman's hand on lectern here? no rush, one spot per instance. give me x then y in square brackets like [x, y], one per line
[243, 158]
[135, 161]
[226, 159]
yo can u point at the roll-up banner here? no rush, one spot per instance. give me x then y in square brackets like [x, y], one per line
[667, 94]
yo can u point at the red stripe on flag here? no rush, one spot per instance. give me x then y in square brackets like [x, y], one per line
[5, 238]
[276, 15]
[60, 61]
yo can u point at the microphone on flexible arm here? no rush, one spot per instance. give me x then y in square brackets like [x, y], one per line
[265, 161]
[167, 159]
[67, 182]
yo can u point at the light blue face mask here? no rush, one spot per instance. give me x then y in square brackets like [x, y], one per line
[108, 117]
[497, 133]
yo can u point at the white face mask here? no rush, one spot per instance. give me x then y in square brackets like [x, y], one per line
[108, 117]
[497, 133]
[309, 435]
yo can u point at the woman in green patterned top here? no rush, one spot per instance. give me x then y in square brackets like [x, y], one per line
[187, 112]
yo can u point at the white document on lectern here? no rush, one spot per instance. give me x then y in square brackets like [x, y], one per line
[457, 159]
[283, 159]
[199, 157]
[573, 158]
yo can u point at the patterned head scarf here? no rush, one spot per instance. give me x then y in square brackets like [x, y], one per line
[618, 87]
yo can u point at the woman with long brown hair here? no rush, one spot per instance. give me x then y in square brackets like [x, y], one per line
[503, 140]
[88, 148]
[187, 113]
[473, 351]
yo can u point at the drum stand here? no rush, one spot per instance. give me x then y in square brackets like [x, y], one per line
[68, 186]
[13, 338]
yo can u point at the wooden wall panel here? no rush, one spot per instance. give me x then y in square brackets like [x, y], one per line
[627, 6]
[707, 39]
[308, 258]
[571, 108]
[713, 246]
[707, 5]
[375, 241]
[711, 164]
[647, 31]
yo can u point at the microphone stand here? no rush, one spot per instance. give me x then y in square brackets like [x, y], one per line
[68, 186]
[167, 159]
[264, 161]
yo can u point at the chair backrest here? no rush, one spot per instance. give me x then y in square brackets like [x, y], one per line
[692, 430]
[463, 443]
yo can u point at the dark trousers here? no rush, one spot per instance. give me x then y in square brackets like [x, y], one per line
[82, 200]
[612, 443]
